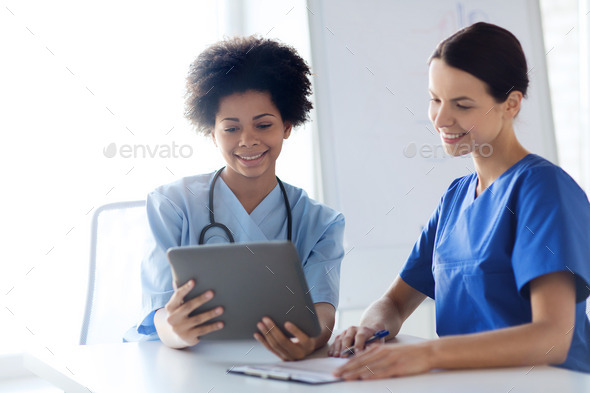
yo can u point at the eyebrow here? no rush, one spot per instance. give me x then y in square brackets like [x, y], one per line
[262, 115]
[254, 118]
[456, 98]
[462, 98]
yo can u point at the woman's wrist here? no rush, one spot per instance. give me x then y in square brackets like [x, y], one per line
[165, 331]
[430, 348]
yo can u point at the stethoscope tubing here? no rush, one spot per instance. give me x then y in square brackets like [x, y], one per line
[214, 224]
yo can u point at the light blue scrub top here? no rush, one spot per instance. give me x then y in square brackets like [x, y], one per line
[477, 256]
[177, 213]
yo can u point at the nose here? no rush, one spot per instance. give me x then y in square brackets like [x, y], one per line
[249, 137]
[441, 116]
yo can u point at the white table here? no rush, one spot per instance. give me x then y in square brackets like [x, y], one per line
[151, 367]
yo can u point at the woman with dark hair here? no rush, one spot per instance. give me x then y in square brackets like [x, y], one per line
[247, 94]
[505, 255]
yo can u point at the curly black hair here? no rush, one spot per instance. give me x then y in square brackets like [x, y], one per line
[247, 63]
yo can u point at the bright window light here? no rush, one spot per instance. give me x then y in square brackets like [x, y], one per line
[92, 104]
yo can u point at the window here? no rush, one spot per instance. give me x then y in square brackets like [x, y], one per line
[563, 28]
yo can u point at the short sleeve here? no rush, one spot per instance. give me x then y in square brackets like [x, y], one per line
[322, 267]
[167, 224]
[417, 271]
[552, 231]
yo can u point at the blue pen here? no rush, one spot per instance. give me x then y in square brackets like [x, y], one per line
[377, 336]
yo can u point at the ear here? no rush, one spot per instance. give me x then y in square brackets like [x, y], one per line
[213, 137]
[513, 103]
[288, 127]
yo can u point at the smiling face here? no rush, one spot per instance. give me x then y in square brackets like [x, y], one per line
[467, 117]
[249, 132]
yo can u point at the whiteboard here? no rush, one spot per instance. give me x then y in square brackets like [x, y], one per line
[382, 163]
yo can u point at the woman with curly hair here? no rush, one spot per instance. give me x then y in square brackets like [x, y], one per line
[247, 94]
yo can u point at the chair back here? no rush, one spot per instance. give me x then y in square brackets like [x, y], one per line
[120, 237]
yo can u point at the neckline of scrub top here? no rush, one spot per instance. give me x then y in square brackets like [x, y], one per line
[473, 185]
[263, 208]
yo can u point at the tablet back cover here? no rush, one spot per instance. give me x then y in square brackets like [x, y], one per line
[250, 281]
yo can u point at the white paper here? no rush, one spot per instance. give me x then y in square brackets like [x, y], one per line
[317, 370]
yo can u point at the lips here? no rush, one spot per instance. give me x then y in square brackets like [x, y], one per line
[452, 137]
[251, 157]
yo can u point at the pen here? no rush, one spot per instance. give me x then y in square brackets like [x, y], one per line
[377, 336]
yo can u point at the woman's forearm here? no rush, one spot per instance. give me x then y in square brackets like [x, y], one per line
[546, 340]
[326, 317]
[530, 344]
[393, 308]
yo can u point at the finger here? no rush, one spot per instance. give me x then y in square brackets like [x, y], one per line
[360, 338]
[180, 316]
[336, 346]
[206, 316]
[179, 293]
[276, 339]
[358, 365]
[191, 333]
[260, 338]
[352, 372]
[367, 371]
[380, 366]
[344, 341]
[196, 302]
[298, 333]
[353, 364]
[348, 367]
[347, 341]
[202, 330]
[272, 335]
[270, 344]
[305, 345]
[334, 349]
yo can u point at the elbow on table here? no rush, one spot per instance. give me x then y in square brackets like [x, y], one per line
[557, 352]
[558, 356]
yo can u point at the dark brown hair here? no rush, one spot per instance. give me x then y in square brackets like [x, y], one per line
[489, 53]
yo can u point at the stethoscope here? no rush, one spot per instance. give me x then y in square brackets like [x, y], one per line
[213, 224]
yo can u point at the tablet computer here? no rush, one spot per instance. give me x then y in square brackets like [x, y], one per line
[250, 281]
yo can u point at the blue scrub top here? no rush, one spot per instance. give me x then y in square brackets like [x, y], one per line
[477, 256]
[177, 213]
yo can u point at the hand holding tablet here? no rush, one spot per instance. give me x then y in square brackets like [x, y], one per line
[250, 281]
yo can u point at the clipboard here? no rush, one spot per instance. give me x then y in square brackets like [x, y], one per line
[314, 371]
